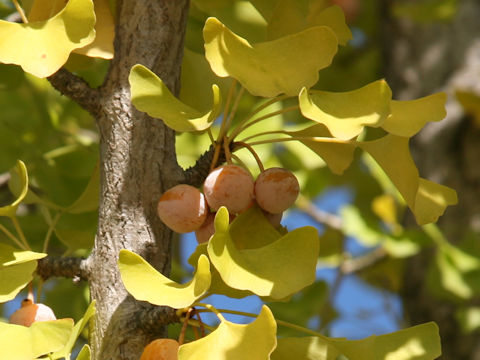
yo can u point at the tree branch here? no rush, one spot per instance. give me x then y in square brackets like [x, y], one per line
[151, 319]
[197, 174]
[76, 89]
[68, 267]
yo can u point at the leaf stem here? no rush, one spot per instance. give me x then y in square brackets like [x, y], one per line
[238, 130]
[50, 231]
[20, 11]
[231, 91]
[20, 233]
[279, 322]
[259, 108]
[12, 237]
[299, 138]
[211, 308]
[253, 152]
[273, 132]
[234, 110]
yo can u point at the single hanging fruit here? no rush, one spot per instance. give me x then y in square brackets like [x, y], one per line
[230, 186]
[182, 208]
[276, 189]
[161, 349]
[30, 312]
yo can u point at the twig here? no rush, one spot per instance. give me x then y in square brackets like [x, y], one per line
[68, 267]
[197, 174]
[359, 263]
[319, 215]
[76, 89]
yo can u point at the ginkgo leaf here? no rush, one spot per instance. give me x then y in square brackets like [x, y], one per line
[420, 342]
[281, 66]
[42, 47]
[338, 156]
[102, 46]
[345, 114]
[408, 117]
[425, 199]
[431, 200]
[84, 354]
[147, 284]
[26, 343]
[151, 95]
[292, 16]
[16, 269]
[21, 174]
[254, 341]
[88, 200]
[305, 348]
[76, 331]
[277, 270]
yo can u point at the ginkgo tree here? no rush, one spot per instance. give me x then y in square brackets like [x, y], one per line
[140, 105]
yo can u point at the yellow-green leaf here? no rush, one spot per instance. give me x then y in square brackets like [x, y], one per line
[305, 348]
[26, 343]
[76, 331]
[84, 354]
[425, 199]
[147, 284]
[409, 117]
[11, 256]
[151, 95]
[88, 200]
[420, 342]
[345, 114]
[336, 155]
[431, 200]
[42, 47]
[20, 172]
[292, 16]
[16, 269]
[254, 341]
[281, 66]
[102, 46]
[277, 270]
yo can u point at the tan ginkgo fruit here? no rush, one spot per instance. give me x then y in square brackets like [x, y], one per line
[30, 312]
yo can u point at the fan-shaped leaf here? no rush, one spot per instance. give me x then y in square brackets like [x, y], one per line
[337, 156]
[42, 47]
[408, 117]
[26, 343]
[147, 284]
[426, 199]
[270, 68]
[292, 16]
[16, 269]
[277, 270]
[20, 172]
[345, 114]
[254, 341]
[420, 342]
[77, 330]
[151, 95]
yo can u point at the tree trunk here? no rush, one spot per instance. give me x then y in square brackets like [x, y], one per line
[137, 163]
[420, 60]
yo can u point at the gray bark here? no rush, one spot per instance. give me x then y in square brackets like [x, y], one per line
[420, 60]
[137, 162]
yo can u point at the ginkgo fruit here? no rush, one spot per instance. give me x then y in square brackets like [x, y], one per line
[161, 349]
[231, 186]
[276, 189]
[182, 208]
[30, 312]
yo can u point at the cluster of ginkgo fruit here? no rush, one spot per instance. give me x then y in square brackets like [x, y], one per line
[184, 208]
